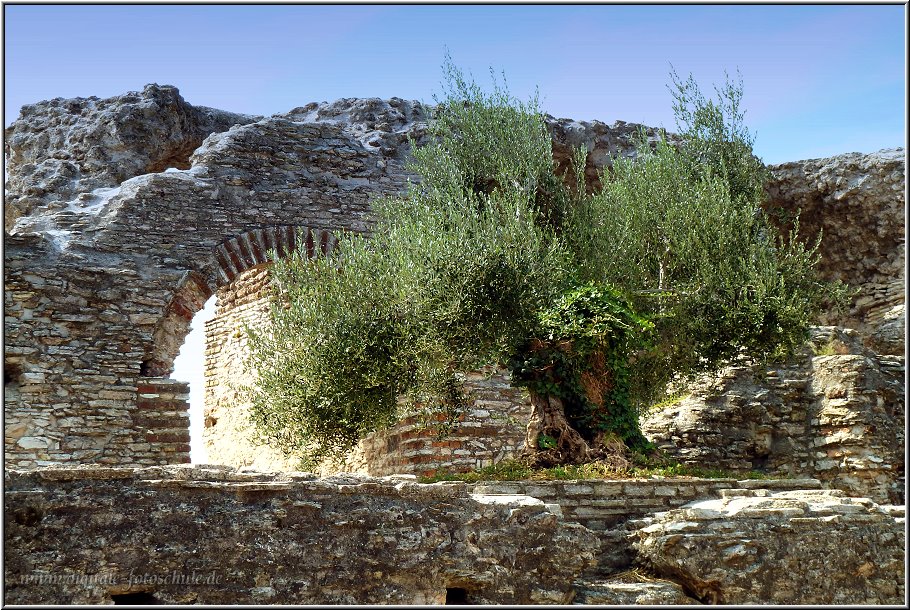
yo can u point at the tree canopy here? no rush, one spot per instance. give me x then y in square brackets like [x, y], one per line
[595, 300]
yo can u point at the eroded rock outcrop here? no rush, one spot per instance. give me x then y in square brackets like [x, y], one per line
[788, 547]
[835, 412]
[63, 151]
[856, 201]
[278, 539]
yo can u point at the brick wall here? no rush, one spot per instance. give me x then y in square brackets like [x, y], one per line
[492, 430]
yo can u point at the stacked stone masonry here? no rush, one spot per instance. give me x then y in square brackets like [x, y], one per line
[779, 547]
[838, 417]
[125, 215]
[856, 203]
[490, 431]
[217, 535]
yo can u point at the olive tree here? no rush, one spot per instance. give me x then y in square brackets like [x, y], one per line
[594, 300]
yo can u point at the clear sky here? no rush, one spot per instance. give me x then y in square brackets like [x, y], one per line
[819, 80]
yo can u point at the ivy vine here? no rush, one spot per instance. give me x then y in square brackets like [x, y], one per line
[581, 354]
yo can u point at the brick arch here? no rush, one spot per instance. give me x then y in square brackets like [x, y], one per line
[162, 408]
[232, 257]
[242, 252]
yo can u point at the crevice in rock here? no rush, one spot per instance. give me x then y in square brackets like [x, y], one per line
[11, 373]
[456, 596]
[135, 598]
[177, 159]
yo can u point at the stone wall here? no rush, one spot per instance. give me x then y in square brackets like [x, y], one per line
[102, 279]
[604, 504]
[216, 536]
[493, 429]
[227, 434]
[811, 547]
[837, 417]
[490, 431]
[856, 202]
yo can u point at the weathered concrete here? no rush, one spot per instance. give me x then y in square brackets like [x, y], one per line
[247, 538]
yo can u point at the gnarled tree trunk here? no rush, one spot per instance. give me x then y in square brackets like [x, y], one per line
[550, 439]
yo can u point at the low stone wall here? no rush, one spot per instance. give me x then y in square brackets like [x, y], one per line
[785, 547]
[90, 535]
[216, 535]
[602, 505]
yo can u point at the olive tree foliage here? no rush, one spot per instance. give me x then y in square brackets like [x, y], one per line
[451, 278]
[687, 239]
[594, 300]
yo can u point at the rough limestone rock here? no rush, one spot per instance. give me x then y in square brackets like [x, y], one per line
[601, 141]
[789, 547]
[251, 538]
[856, 201]
[71, 151]
[890, 335]
[834, 412]
[632, 589]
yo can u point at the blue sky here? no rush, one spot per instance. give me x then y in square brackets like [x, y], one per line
[819, 80]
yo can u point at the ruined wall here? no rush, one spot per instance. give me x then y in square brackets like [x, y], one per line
[228, 434]
[603, 504]
[100, 286]
[491, 430]
[779, 547]
[74, 150]
[838, 417]
[856, 202]
[125, 215]
[215, 535]
[212, 536]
